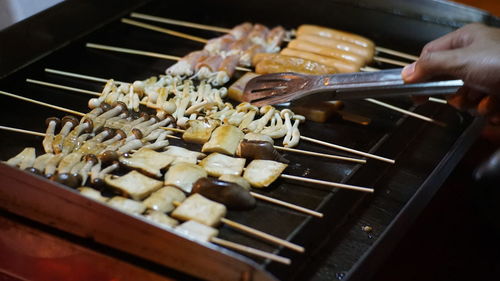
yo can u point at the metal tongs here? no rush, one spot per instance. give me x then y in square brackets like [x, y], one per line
[283, 87]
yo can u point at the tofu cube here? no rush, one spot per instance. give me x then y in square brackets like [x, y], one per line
[200, 209]
[163, 199]
[197, 231]
[134, 184]
[217, 164]
[127, 205]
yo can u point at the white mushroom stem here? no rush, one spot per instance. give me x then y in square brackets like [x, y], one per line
[95, 170]
[257, 125]
[108, 170]
[295, 131]
[49, 137]
[287, 114]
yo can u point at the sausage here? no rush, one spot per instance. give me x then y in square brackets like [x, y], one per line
[276, 63]
[366, 53]
[311, 47]
[336, 34]
[341, 66]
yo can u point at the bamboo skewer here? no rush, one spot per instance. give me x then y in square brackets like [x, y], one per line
[42, 103]
[250, 250]
[79, 76]
[227, 30]
[331, 156]
[407, 112]
[165, 30]
[437, 100]
[67, 88]
[22, 131]
[350, 150]
[262, 235]
[390, 61]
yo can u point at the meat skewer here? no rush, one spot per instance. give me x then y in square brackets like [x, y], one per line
[227, 30]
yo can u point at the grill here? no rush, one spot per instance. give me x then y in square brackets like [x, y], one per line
[336, 245]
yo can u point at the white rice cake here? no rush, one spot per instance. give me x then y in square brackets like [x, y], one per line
[183, 175]
[261, 173]
[92, 194]
[162, 199]
[161, 219]
[217, 164]
[181, 154]
[241, 181]
[134, 184]
[127, 205]
[148, 161]
[200, 209]
[197, 231]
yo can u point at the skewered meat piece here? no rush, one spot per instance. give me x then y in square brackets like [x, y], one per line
[232, 195]
[182, 175]
[259, 150]
[237, 180]
[127, 205]
[52, 123]
[197, 231]
[219, 44]
[183, 155]
[161, 219]
[206, 68]
[275, 38]
[241, 31]
[186, 65]
[198, 208]
[147, 161]
[162, 200]
[199, 131]
[92, 193]
[261, 173]
[134, 184]
[217, 164]
[225, 139]
[226, 70]
[24, 159]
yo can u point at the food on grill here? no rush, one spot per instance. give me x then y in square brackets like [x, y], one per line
[182, 175]
[197, 231]
[183, 155]
[232, 195]
[68, 123]
[24, 159]
[237, 180]
[341, 65]
[200, 209]
[235, 91]
[199, 131]
[127, 205]
[275, 63]
[92, 193]
[366, 53]
[258, 137]
[134, 184]
[225, 139]
[256, 149]
[147, 161]
[185, 66]
[261, 173]
[161, 219]
[52, 123]
[336, 34]
[163, 199]
[311, 47]
[217, 164]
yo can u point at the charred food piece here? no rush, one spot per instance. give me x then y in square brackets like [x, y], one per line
[255, 149]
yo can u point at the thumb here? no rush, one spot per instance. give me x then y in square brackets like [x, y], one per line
[433, 64]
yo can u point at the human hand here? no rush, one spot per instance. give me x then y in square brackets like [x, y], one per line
[471, 53]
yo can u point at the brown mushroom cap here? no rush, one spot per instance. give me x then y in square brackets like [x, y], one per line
[137, 133]
[71, 119]
[34, 170]
[108, 156]
[122, 105]
[230, 194]
[256, 149]
[90, 158]
[90, 126]
[71, 180]
[53, 119]
[121, 133]
[171, 118]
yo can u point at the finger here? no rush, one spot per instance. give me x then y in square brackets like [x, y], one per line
[470, 98]
[457, 39]
[434, 64]
[494, 119]
[457, 100]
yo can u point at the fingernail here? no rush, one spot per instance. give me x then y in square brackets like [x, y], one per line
[408, 70]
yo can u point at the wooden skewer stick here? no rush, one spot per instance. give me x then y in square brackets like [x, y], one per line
[22, 131]
[336, 157]
[143, 53]
[396, 53]
[262, 235]
[250, 250]
[42, 103]
[407, 112]
[78, 90]
[227, 30]
[79, 76]
[328, 183]
[390, 61]
[165, 30]
[286, 204]
[350, 150]
[438, 100]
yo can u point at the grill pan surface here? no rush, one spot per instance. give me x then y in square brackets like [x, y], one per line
[424, 153]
